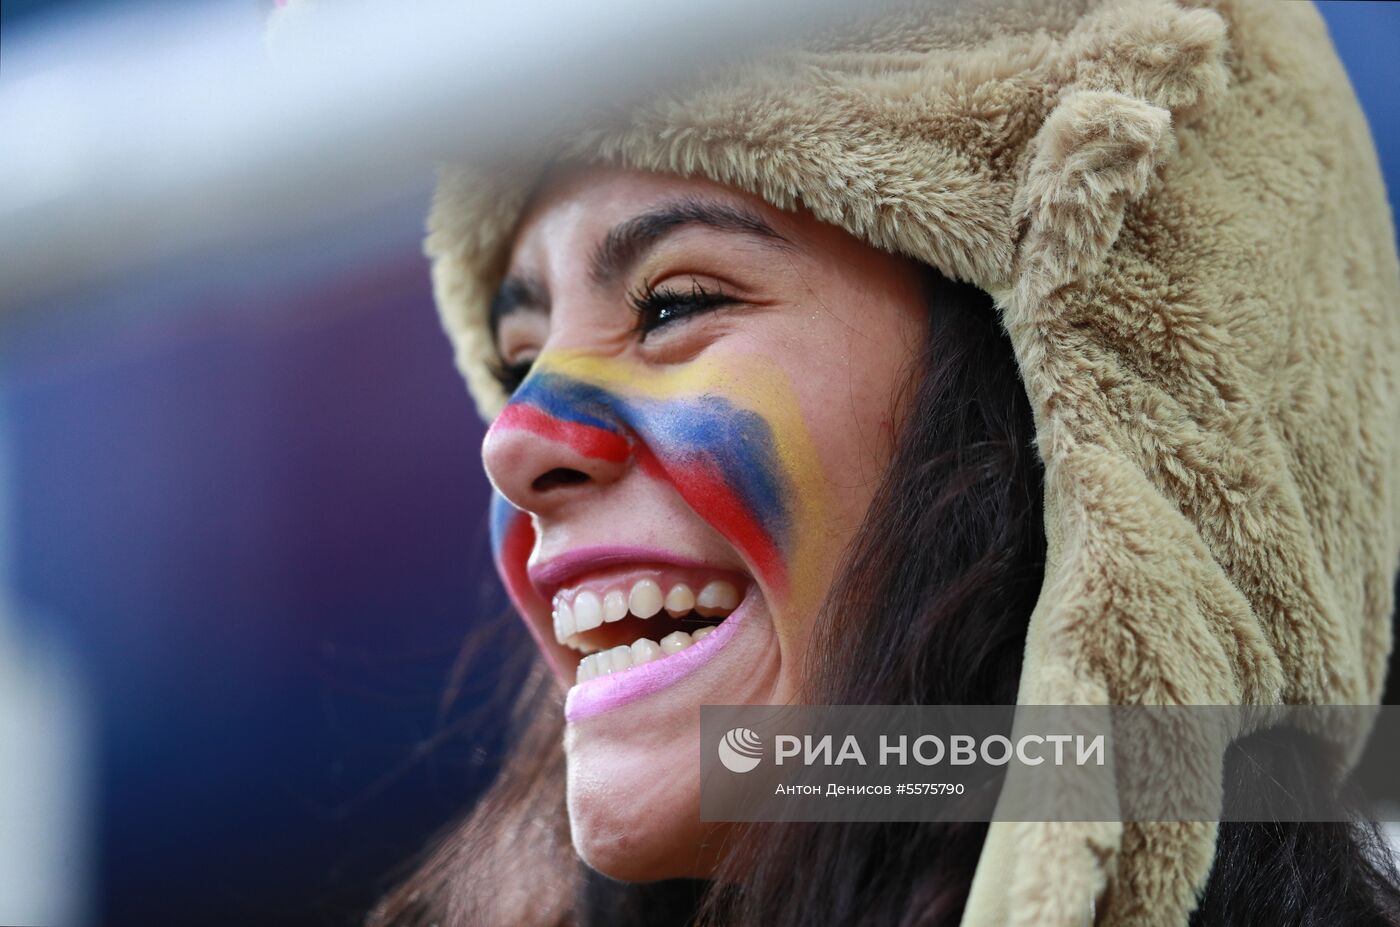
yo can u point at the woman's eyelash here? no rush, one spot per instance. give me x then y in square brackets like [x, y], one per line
[510, 375]
[653, 306]
[658, 306]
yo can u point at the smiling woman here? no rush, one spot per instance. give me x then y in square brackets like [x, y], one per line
[694, 504]
[753, 444]
[739, 439]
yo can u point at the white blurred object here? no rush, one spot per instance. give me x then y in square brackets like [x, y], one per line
[46, 774]
[151, 131]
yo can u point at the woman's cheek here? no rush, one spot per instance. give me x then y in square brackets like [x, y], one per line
[797, 457]
[728, 435]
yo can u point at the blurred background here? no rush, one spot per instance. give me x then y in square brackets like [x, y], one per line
[246, 535]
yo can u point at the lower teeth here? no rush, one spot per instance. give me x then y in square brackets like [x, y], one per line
[641, 651]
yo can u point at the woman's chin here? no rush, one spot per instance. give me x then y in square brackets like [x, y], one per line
[633, 762]
[634, 800]
[637, 854]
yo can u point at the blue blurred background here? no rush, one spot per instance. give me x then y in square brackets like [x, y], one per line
[259, 532]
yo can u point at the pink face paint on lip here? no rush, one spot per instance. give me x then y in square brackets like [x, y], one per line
[547, 577]
[614, 690]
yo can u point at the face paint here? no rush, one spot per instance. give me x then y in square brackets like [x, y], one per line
[512, 540]
[727, 436]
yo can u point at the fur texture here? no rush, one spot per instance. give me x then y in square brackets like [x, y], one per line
[1180, 215]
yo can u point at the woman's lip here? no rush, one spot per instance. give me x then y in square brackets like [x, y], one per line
[614, 690]
[547, 577]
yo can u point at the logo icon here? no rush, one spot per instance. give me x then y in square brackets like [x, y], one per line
[740, 750]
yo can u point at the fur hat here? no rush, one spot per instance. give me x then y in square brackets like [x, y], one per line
[1179, 214]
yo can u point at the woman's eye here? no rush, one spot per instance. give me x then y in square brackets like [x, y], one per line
[658, 306]
[511, 374]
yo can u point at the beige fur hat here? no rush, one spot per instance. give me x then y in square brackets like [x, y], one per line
[1179, 213]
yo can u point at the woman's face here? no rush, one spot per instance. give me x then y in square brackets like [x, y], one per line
[711, 401]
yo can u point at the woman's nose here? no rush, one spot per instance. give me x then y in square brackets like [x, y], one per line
[537, 460]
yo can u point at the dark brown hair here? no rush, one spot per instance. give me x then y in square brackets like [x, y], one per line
[931, 607]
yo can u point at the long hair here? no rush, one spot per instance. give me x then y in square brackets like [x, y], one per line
[931, 607]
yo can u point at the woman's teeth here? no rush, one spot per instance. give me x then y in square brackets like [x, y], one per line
[680, 600]
[582, 611]
[641, 651]
[614, 605]
[579, 611]
[717, 598]
[645, 598]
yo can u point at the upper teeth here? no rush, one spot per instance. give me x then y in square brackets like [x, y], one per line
[577, 612]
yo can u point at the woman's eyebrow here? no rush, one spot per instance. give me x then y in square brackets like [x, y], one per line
[628, 241]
